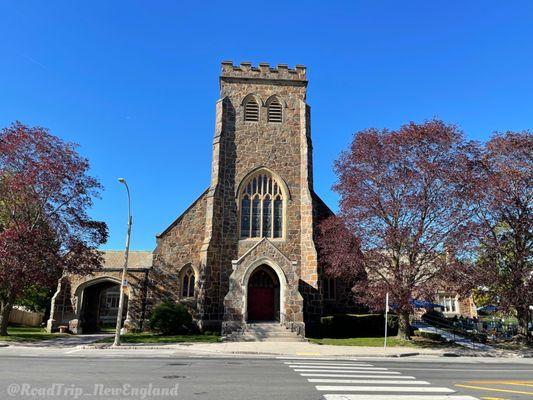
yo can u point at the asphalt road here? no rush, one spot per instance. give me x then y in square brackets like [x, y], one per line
[119, 376]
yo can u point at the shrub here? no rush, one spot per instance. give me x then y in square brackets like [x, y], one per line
[170, 318]
[357, 325]
[479, 337]
[429, 335]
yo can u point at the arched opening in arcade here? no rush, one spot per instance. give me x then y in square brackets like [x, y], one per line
[99, 307]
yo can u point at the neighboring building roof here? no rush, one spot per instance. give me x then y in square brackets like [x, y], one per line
[136, 259]
[321, 202]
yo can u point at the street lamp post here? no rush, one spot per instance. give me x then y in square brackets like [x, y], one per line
[123, 283]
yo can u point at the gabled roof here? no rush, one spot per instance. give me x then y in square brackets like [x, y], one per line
[136, 258]
[263, 242]
[177, 220]
[317, 198]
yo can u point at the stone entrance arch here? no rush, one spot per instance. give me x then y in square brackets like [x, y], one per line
[97, 304]
[267, 256]
[264, 285]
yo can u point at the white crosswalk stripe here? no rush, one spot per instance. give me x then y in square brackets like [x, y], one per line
[384, 389]
[338, 367]
[395, 397]
[350, 370]
[361, 376]
[369, 381]
[352, 380]
[315, 358]
[328, 364]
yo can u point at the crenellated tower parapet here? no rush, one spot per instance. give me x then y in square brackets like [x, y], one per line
[263, 71]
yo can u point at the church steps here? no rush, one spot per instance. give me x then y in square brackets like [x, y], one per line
[264, 332]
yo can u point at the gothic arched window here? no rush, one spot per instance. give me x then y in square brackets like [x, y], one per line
[187, 282]
[261, 207]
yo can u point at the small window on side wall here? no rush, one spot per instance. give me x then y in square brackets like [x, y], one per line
[187, 283]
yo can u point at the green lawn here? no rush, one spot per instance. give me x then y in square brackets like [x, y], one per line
[156, 338]
[363, 341]
[416, 342]
[27, 334]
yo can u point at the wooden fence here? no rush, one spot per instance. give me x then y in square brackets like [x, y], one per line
[26, 318]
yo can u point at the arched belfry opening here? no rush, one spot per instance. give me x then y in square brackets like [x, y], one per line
[263, 300]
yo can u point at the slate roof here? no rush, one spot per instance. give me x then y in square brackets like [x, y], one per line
[136, 259]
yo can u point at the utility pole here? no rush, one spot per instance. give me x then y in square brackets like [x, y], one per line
[123, 283]
[386, 319]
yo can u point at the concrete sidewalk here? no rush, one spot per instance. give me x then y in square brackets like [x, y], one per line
[307, 349]
[289, 349]
[267, 349]
[260, 349]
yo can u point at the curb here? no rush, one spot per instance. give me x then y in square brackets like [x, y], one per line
[128, 347]
[451, 355]
[257, 353]
[407, 355]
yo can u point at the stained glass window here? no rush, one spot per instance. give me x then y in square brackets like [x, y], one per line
[262, 216]
[187, 283]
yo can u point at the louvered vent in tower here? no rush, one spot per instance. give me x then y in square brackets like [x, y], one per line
[251, 111]
[275, 112]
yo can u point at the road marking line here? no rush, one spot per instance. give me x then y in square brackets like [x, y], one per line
[395, 397]
[503, 381]
[73, 351]
[348, 371]
[368, 381]
[493, 389]
[462, 369]
[360, 376]
[384, 389]
[515, 383]
[334, 367]
[326, 364]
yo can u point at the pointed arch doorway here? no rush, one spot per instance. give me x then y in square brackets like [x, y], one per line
[263, 303]
[98, 304]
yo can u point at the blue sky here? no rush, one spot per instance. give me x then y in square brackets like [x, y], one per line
[134, 83]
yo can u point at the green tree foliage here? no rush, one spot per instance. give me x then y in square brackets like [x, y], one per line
[45, 229]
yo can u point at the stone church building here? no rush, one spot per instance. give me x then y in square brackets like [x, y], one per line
[245, 249]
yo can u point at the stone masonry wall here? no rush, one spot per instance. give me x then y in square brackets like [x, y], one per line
[240, 147]
[178, 247]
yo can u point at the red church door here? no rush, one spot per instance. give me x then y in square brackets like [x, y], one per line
[262, 289]
[261, 304]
